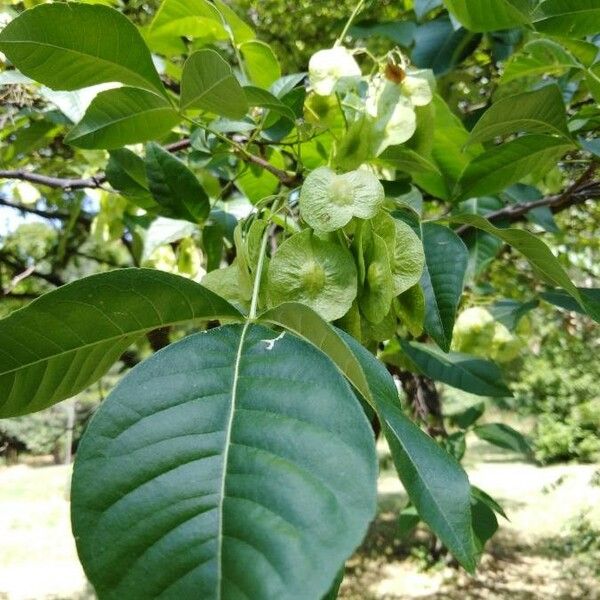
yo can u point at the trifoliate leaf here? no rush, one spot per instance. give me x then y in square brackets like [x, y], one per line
[378, 291]
[329, 201]
[318, 273]
[334, 69]
[408, 258]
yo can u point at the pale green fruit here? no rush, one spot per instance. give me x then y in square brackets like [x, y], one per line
[474, 331]
[377, 292]
[505, 346]
[410, 307]
[189, 258]
[226, 283]
[315, 272]
[408, 259]
[329, 201]
[333, 69]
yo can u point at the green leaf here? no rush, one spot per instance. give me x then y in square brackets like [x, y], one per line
[174, 186]
[261, 63]
[400, 32]
[164, 231]
[318, 273]
[479, 494]
[490, 15]
[592, 77]
[570, 18]
[446, 259]
[449, 152]
[123, 116]
[68, 338]
[503, 436]
[68, 46]
[256, 96]
[240, 31]
[219, 469]
[126, 173]
[177, 19]
[537, 58]
[467, 417]
[485, 523]
[306, 323]
[208, 83]
[434, 480]
[540, 111]
[440, 47]
[408, 519]
[407, 160]
[503, 165]
[462, 371]
[538, 254]
[510, 312]
[588, 305]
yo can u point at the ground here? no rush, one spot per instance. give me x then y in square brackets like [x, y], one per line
[548, 549]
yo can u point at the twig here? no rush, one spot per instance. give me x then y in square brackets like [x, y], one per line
[583, 189]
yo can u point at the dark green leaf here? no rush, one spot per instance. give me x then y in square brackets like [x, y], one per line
[485, 523]
[588, 305]
[208, 83]
[503, 436]
[540, 111]
[446, 259]
[490, 15]
[508, 163]
[126, 172]
[68, 46]
[408, 519]
[306, 323]
[400, 32]
[440, 47]
[467, 417]
[434, 480]
[68, 338]
[537, 58]
[538, 254]
[571, 18]
[479, 494]
[123, 116]
[510, 312]
[174, 186]
[462, 371]
[218, 469]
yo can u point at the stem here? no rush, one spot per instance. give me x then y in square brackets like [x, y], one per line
[349, 22]
[259, 270]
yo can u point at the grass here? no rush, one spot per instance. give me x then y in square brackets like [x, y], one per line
[548, 549]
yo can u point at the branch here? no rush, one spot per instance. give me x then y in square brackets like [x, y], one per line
[581, 190]
[45, 214]
[98, 180]
[20, 267]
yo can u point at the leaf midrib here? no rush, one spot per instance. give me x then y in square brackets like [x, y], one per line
[229, 428]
